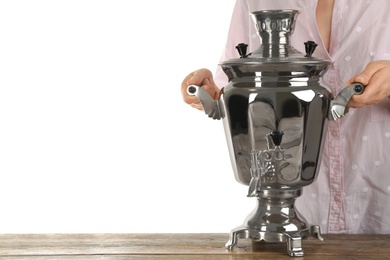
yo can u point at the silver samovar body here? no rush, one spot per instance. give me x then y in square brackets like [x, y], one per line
[274, 112]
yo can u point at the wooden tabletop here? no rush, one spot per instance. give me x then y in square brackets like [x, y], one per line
[183, 246]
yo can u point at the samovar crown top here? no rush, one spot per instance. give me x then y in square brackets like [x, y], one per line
[275, 27]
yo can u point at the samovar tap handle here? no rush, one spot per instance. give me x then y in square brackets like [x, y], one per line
[212, 108]
[338, 106]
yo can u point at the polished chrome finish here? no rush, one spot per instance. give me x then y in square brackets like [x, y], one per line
[275, 222]
[275, 113]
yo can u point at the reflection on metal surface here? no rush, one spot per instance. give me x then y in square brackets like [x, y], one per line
[305, 95]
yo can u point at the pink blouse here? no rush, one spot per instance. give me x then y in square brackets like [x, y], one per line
[352, 191]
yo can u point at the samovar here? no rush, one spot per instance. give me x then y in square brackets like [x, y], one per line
[274, 111]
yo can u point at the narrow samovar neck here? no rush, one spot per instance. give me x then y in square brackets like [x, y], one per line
[275, 28]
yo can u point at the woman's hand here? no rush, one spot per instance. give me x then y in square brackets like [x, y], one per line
[203, 78]
[376, 78]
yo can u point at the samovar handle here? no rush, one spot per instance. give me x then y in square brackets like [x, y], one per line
[213, 108]
[338, 106]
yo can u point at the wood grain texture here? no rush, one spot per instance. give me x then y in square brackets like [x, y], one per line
[182, 246]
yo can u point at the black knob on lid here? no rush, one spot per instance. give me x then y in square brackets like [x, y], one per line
[310, 46]
[242, 49]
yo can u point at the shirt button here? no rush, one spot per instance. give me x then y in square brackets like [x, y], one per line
[335, 187]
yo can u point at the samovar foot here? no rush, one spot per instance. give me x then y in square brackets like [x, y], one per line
[232, 241]
[242, 232]
[316, 232]
[292, 240]
[294, 245]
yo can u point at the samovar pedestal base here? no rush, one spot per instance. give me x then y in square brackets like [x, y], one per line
[292, 240]
[275, 221]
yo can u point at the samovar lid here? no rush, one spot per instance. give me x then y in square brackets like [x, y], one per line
[275, 28]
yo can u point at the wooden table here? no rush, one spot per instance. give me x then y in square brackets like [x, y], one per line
[183, 246]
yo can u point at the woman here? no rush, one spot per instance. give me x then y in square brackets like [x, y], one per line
[352, 191]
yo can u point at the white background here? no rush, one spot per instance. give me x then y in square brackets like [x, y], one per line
[94, 135]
